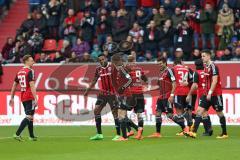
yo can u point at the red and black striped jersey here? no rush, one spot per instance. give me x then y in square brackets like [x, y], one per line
[165, 80]
[24, 76]
[104, 73]
[199, 77]
[191, 72]
[136, 74]
[122, 80]
[212, 70]
[182, 75]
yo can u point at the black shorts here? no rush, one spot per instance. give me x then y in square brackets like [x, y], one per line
[163, 105]
[192, 103]
[103, 100]
[216, 102]
[180, 102]
[29, 107]
[135, 102]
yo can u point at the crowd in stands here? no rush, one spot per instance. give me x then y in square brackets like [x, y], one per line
[76, 30]
[4, 6]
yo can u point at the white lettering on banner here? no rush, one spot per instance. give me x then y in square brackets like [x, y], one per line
[238, 82]
[16, 109]
[37, 81]
[228, 104]
[66, 80]
[81, 82]
[237, 102]
[53, 80]
[228, 83]
[49, 104]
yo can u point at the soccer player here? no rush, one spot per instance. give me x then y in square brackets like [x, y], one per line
[106, 96]
[121, 81]
[212, 98]
[199, 85]
[136, 89]
[25, 78]
[182, 76]
[166, 86]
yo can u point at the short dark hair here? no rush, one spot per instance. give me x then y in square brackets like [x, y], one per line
[116, 57]
[26, 57]
[199, 64]
[100, 55]
[162, 59]
[178, 61]
[207, 51]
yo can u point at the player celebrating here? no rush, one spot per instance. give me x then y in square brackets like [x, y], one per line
[182, 79]
[213, 97]
[136, 90]
[121, 82]
[199, 85]
[106, 96]
[166, 86]
[25, 78]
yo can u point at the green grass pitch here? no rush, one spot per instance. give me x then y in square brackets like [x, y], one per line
[72, 143]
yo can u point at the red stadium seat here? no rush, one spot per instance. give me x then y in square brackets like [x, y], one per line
[219, 53]
[60, 44]
[50, 45]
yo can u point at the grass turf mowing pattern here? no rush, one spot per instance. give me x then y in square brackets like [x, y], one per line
[71, 143]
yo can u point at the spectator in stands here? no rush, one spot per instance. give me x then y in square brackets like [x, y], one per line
[179, 53]
[70, 27]
[120, 27]
[196, 54]
[169, 6]
[166, 38]
[193, 18]
[96, 52]
[36, 41]
[86, 58]
[91, 5]
[80, 47]
[44, 58]
[131, 6]
[184, 39]
[147, 6]
[111, 18]
[41, 23]
[34, 5]
[142, 18]
[53, 18]
[14, 55]
[161, 17]
[225, 23]
[227, 56]
[102, 30]
[151, 38]
[177, 17]
[66, 50]
[7, 47]
[74, 58]
[64, 8]
[26, 27]
[237, 24]
[87, 27]
[58, 58]
[236, 56]
[136, 32]
[111, 5]
[208, 19]
[140, 48]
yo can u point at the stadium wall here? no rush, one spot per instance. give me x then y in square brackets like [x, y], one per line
[61, 101]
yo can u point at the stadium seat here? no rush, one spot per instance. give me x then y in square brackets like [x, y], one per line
[60, 44]
[219, 53]
[50, 45]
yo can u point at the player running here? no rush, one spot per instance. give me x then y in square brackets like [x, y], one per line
[166, 86]
[25, 78]
[182, 76]
[199, 85]
[121, 81]
[212, 98]
[137, 96]
[106, 96]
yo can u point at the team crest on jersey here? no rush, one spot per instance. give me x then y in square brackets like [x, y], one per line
[110, 69]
